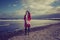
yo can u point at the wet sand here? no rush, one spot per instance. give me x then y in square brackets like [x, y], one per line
[49, 32]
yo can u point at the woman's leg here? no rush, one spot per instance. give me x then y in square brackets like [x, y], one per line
[28, 29]
[25, 30]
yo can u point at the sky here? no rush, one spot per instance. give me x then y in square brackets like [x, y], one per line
[17, 8]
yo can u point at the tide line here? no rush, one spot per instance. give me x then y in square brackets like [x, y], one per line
[5, 25]
[11, 20]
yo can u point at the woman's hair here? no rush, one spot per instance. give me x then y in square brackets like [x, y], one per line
[29, 15]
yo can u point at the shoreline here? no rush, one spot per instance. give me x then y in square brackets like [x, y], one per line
[8, 35]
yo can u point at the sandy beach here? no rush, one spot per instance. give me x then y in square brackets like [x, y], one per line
[49, 32]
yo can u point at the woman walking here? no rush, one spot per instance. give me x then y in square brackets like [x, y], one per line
[27, 19]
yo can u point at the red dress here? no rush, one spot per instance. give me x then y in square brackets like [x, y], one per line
[25, 22]
[27, 19]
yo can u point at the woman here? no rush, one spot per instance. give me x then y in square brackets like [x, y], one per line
[27, 19]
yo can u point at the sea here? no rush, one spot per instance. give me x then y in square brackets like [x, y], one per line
[16, 25]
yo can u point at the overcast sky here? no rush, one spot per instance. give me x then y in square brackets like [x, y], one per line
[17, 8]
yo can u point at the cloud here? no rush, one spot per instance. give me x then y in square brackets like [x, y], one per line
[56, 3]
[20, 12]
[38, 7]
[14, 5]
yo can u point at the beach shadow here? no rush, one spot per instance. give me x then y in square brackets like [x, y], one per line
[6, 36]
